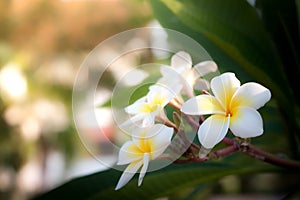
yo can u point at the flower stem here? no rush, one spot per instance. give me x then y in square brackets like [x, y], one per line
[233, 146]
[192, 121]
[259, 154]
[223, 152]
[228, 141]
[212, 155]
[167, 122]
[270, 158]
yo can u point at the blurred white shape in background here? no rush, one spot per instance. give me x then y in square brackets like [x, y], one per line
[29, 177]
[40, 116]
[30, 128]
[159, 37]
[13, 83]
[135, 77]
[59, 71]
[55, 169]
[52, 115]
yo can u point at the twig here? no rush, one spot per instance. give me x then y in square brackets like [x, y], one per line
[224, 152]
[192, 121]
[270, 158]
[264, 156]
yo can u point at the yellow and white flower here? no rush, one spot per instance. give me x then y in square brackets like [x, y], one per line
[233, 107]
[147, 144]
[145, 110]
[181, 70]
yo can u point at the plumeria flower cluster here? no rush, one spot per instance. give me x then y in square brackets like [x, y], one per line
[232, 106]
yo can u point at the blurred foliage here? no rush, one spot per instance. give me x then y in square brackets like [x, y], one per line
[66, 25]
[47, 41]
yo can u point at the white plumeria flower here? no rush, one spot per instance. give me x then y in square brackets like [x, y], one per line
[233, 107]
[181, 70]
[147, 108]
[147, 144]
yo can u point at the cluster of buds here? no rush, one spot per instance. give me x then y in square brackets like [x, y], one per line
[232, 106]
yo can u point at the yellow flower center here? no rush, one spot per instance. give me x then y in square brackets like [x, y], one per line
[229, 113]
[148, 108]
[145, 146]
[153, 105]
[231, 105]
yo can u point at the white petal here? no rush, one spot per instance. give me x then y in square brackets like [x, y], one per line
[144, 168]
[147, 132]
[126, 124]
[246, 122]
[164, 92]
[128, 153]
[251, 94]
[129, 173]
[188, 90]
[213, 130]
[132, 120]
[136, 106]
[161, 116]
[148, 120]
[224, 86]
[187, 87]
[153, 139]
[156, 92]
[176, 81]
[202, 105]
[161, 140]
[181, 61]
[202, 84]
[205, 67]
[169, 74]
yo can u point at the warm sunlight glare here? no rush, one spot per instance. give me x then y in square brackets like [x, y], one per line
[12, 81]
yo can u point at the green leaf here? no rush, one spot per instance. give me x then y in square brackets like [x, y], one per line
[280, 20]
[232, 27]
[156, 184]
[298, 12]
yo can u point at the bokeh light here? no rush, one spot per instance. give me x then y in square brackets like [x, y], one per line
[13, 84]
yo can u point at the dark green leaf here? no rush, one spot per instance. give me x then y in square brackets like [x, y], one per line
[298, 12]
[281, 22]
[156, 184]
